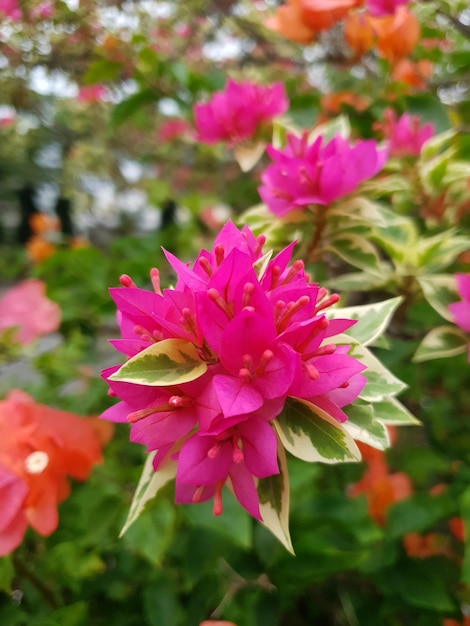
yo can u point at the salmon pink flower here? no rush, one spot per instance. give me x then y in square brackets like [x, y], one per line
[236, 113]
[304, 174]
[26, 308]
[254, 338]
[39, 448]
[460, 311]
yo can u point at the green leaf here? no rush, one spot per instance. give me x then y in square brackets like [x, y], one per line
[363, 426]
[152, 534]
[363, 210]
[149, 485]
[273, 494]
[441, 342]
[102, 70]
[168, 362]
[373, 319]
[399, 241]
[381, 383]
[440, 290]
[261, 264]
[355, 250]
[360, 281]
[7, 572]
[392, 412]
[310, 434]
[127, 108]
[438, 252]
[233, 524]
[247, 154]
[464, 502]
[419, 513]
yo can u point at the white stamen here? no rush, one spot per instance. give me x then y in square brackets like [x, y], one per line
[36, 462]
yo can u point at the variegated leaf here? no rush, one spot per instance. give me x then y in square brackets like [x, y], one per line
[441, 342]
[360, 281]
[150, 483]
[355, 250]
[261, 264]
[380, 381]
[373, 319]
[310, 434]
[440, 290]
[392, 412]
[273, 493]
[363, 426]
[168, 362]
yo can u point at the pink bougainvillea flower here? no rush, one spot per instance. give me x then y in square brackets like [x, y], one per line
[237, 112]
[405, 134]
[461, 310]
[26, 308]
[11, 9]
[379, 8]
[260, 335]
[304, 174]
[39, 448]
[43, 11]
[172, 129]
[91, 93]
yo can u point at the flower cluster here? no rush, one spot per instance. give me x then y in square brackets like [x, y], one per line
[237, 112]
[303, 174]
[213, 361]
[39, 448]
[461, 310]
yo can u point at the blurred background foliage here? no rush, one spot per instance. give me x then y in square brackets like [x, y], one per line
[97, 134]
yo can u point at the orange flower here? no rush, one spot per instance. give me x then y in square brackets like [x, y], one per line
[413, 73]
[332, 102]
[424, 546]
[457, 528]
[39, 447]
[39, 249]
[43, 223]
[397, 34]
[380, 488]
[287, 21]
[324, 14]
[359, 33]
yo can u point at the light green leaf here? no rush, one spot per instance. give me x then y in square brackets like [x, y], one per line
[355, 250]
[392, 412]
[339, 125]
[363, 426]
[247, 154]
[435, 144]
[310, 434]
[441, 342]
[149, 485]
[273, 493]
[437, 253]
[398, 240]
[363, 211]
[373, 319]
[153, 533]
[261, 264]
[440, 290]
[381, 383]
[168, 362]
[360, 281]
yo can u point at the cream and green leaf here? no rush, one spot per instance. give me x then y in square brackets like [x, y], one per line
[168, 362]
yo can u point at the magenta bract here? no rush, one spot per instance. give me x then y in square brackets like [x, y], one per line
[461, 310]
[236, 113]
[263, 337]
[303, 174]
